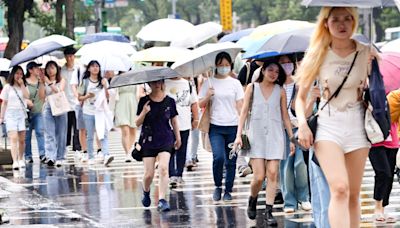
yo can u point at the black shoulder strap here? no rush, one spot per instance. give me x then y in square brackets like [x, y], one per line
[336, 93]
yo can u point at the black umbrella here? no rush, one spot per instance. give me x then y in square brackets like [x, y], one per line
[143, 75]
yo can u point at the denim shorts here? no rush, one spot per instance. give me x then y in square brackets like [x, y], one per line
[343, 127]
[80, 123]
[15, 120]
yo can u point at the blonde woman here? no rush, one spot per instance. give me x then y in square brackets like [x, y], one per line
[340, 143]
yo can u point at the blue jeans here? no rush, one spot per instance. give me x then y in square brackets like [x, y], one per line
[90, 130]
[193, 145]
[220, 137]
[55, 129]
[178, 159]
[37, 124]
[293, 177]
[320, 194]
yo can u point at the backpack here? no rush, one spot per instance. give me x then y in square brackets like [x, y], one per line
[377, 115]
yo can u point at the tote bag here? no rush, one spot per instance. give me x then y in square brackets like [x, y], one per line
[59, 103]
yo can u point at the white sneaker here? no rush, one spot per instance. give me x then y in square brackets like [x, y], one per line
[288, 210]
[128, 158]
[21, 164]
[85, 157]
[59, 163]
[108, 159]
[306, 206]
[100, 158]
[15, 166]
[92, 161]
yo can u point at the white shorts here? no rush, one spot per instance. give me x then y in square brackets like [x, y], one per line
[345, 127]
[15, 120]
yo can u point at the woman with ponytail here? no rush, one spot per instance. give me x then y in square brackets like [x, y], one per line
[340, 144]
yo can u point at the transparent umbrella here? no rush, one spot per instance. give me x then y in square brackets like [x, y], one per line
[143, 75]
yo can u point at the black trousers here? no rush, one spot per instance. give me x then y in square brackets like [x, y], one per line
[71, 129]
[383, 161]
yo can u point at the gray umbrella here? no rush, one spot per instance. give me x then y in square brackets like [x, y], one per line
[285, 43]
[143, 75]
[350, 3]
[33, 52]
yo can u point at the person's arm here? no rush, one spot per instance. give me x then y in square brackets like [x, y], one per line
[306, 137]
[62, 85]
[175, 127]
[104, 83]
[315, 94]
[140, 118]
[205, 99]
[243, 115]
[195, 115]
[286, 119]
[41, 90]
[3, 110]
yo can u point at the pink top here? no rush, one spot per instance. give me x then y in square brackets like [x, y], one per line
[393, 139]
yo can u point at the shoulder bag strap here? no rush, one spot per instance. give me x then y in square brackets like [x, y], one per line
[20, 99]
[247, 124]
[336, 93]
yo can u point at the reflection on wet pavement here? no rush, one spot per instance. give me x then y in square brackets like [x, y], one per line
[78, 196]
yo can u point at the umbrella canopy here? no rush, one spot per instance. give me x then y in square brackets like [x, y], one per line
[199, 33]
[62, 40]
[41, 47]
[143, 75]
[108, 47]
[4, 64]
[279, 27]
[349, 3]
[202, 58]
[390, 70]
[160, 54]
[284, 43]
[393, 45]
[96, 37]
[235, 36]
[165, 30]
[109, 61]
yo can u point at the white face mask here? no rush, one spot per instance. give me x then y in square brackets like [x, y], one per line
[288, 67]
[223, 70]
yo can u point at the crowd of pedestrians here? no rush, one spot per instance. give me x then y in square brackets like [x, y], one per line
[268, 102]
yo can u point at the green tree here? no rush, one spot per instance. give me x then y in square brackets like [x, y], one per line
[15, 18]
[257, 12]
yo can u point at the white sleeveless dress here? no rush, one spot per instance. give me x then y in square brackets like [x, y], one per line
[266, 131]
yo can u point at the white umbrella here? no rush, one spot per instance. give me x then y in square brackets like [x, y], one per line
[199, 33]
[4, 64]
[201, 59]
[160, 54]
[106, 46]
[109, 61]
[63, 41]
[393, 45]
[164, 30]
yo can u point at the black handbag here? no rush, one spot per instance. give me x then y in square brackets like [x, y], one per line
[245, 139]
[312, 121]
[137, 153]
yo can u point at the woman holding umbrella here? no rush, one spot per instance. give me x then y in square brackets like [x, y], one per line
[156, 113]
[226, 97]
[340, 143]
[13, 113]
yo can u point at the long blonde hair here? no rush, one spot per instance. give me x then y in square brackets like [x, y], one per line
[320, 40]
